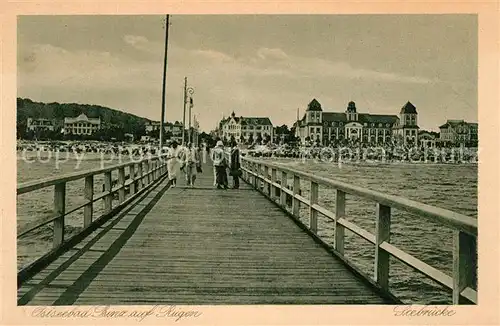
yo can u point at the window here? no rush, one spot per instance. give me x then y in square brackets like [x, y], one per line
[318, 130]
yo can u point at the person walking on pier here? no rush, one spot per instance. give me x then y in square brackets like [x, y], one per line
[235, 165]
[172, 164]
[219, 160]
[190, 161]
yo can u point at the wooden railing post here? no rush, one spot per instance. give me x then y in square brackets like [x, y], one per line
[146, 171]
[284, 184]
[132, 177]
[339, 229]
[464, 264]
[153, 170]
[59, 209]
[383, 231]
[313, 214]
[273, 181]
[259, 173]
[255, 178]
[267, 186]
[108, 199]
[88, 195]
[121, 184]
[140, 180]
[296, 191]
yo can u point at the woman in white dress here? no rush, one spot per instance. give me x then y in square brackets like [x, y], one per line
[172, 163]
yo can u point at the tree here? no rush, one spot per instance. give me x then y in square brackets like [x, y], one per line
[242, 139]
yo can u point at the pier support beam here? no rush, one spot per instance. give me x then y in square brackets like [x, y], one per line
[59, 209]
[284, 184]
[88, 195]
[121, 184]
[464, 264]
[296, 191]
[383, 231]
[313, 214]
[108, 199]
[132, 179]
[339, 228]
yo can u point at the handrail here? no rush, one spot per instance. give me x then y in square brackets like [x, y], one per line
[263, 176]
[50, 181]
[439, 215]
[142, 174]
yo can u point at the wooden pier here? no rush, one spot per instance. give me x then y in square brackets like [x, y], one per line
[161, 245]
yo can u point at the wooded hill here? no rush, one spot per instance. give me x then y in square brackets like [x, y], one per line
[111, 119]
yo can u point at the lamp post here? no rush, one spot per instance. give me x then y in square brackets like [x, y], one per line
[190, 91]
[162, 120]
[190, 107]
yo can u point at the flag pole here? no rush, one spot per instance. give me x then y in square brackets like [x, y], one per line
[162, 121]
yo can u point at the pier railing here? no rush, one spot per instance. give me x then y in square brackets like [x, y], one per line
[272, 180]
[133, 179]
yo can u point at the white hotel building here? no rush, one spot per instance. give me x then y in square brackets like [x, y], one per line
[243, 127]
[81, 125]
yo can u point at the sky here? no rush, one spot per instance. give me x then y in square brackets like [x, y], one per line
[255, 65]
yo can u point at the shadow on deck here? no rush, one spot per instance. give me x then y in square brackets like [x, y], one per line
[197, 246]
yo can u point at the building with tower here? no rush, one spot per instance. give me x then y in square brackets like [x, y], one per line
[406, 129]
[246, 129]
[325, 128]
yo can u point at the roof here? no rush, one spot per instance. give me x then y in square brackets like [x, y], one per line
[377, 118]
[362, 117]
[255, 121]
[455, 123]
[82, 117]
[334, 116]
[409, 108]
[314, 106]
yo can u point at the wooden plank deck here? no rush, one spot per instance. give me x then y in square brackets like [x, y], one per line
[197, 246]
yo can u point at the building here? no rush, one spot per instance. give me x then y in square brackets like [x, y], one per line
[172, 130]
[427, 139]
[167, 126]
[406, 128]
[326, 128]
[81, 125]
[39, 124]
[458, 131]
[246, 128]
